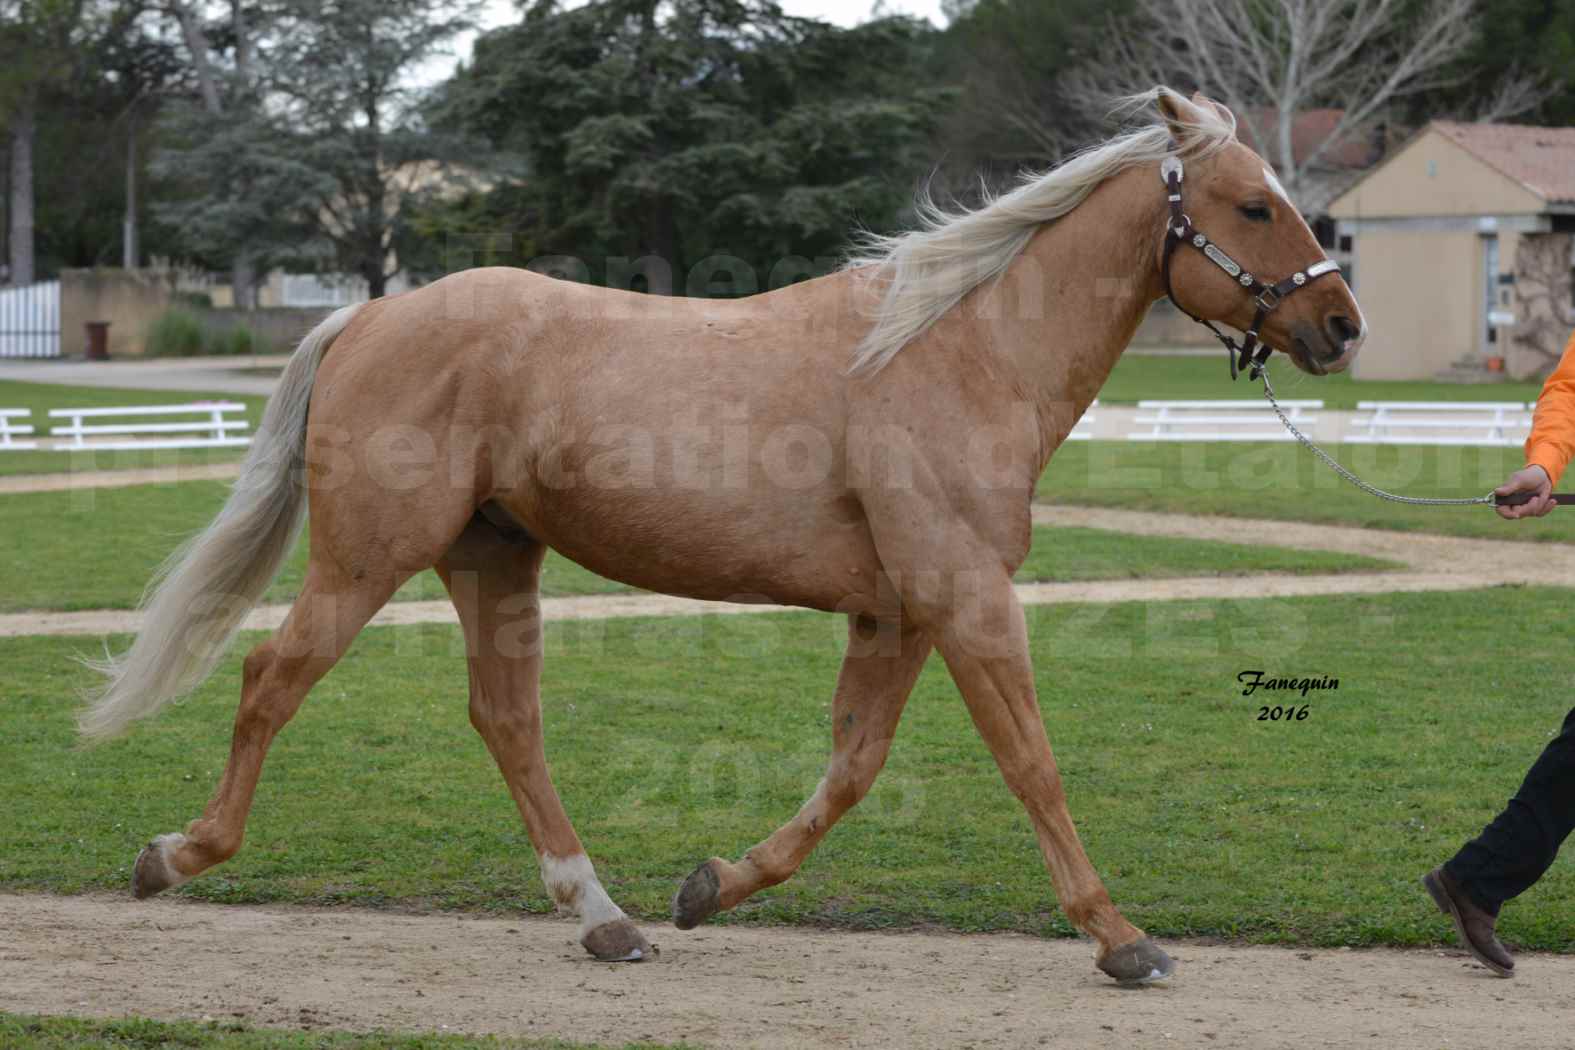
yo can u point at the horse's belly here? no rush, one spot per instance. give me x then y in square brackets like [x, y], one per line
[819, 557]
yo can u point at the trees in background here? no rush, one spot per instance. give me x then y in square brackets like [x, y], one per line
[350, 112]
[219, 150]
[38, 40]
[1041, 74]
[1527, 49]
[1271, 61]
[296, 134]
[690, 129]
[80, 82]
[304, 147]
[131, 70]
[1011, 60]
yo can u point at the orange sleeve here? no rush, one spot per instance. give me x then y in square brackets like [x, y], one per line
[1552, 441]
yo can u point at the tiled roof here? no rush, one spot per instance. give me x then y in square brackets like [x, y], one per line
[1541, 159]
[1308, 131]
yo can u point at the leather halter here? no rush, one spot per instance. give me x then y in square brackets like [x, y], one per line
[1253, 355]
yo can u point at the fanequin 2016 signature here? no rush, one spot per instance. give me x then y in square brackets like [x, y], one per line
[1255, 680]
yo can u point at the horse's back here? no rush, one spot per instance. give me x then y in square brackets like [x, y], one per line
[695, 447]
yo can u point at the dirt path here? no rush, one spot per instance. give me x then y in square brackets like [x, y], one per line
[738, 987]
[1490, 561]
[96, 622]
[115, 479]
[1433, 563]
[208, 375]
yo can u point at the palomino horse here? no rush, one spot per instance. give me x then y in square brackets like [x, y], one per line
[724, 450]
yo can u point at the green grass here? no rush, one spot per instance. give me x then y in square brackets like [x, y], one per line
[41, 397]
[1285, 481]
[21, 1032]
[673, 740]
[1067, 554]
[1142, 376]
[96, 548]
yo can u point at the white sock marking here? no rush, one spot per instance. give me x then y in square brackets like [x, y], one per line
[165, 846]
[573, 884]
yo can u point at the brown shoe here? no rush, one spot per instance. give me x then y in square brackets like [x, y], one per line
[1474, 925]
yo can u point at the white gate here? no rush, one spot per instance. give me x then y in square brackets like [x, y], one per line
[30, 320]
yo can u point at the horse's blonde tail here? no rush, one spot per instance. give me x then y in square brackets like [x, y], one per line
[196, 602]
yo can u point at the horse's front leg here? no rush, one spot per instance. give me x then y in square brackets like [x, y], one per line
[978, 627]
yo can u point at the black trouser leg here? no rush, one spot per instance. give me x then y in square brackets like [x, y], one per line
[1520, 844]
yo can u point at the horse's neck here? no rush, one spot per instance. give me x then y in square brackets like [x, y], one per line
[1073, 300]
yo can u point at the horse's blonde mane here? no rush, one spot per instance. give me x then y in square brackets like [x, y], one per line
[929, 270]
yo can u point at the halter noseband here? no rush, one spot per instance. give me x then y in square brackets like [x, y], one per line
[1180, 230]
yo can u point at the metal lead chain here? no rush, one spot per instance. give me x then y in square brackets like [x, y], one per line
[1268, 392]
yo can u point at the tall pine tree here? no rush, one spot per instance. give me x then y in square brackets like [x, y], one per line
[691, 129]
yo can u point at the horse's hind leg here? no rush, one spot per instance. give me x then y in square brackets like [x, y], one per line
[330, 612]
[493, 579]
[878, 672]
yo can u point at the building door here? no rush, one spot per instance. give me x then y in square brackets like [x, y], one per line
[1489, 331]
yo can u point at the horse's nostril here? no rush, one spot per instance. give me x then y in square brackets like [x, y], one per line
[1342, 329]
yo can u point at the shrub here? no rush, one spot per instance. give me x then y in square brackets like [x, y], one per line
[238, 340]
[176, 333]
[182, 333]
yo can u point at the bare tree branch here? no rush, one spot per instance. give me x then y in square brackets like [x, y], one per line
[1518, 92]
[197, 44]
[1273, 60]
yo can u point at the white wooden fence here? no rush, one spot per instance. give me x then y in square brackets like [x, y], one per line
[1467, 423]
[220, 424]
[1235, 420]
[200, 424]
[10, 431]
[1492, 423]
[1083, 430]
[217, 430]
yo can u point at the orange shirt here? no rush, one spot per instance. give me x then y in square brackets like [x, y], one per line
[1551, 445]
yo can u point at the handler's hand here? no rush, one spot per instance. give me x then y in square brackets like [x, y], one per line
[1534, 480]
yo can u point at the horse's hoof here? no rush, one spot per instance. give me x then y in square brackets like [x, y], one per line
[155, 871]
[1141, 962]
[618, 941]
[699, 898]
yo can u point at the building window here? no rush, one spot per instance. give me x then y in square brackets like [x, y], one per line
[1323, 229]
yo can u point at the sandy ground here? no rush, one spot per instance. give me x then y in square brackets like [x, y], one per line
[113, 479]
[1477, 563]
[781, 989]
[209, 375]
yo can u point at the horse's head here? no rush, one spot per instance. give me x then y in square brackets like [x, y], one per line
[1247, 256]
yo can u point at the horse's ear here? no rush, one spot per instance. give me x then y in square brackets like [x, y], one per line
[1182, 116]
[1219, 108]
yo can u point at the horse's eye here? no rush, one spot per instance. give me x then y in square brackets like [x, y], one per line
[1256, 212]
